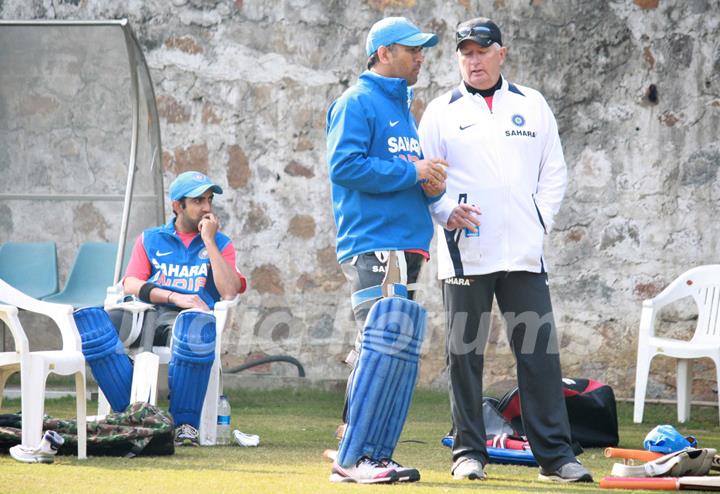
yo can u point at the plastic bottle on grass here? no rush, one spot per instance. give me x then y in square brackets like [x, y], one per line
[223, 421]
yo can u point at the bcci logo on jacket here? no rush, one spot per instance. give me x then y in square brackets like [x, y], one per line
[519, 121]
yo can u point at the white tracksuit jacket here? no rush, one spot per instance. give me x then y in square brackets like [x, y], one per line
[508, 162]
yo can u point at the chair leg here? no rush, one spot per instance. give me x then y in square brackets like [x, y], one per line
[642, 370]
[208, 417]
[33, 376]
[81, 415]
[4, 376]
[684, 389]
[145, 378]
[103, 404]
[717, 377]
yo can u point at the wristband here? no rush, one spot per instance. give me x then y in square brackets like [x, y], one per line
[169, 295]
[144, 293]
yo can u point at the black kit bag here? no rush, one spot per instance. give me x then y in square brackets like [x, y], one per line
[591, 411]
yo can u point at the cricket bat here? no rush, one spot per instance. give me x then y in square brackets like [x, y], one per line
[643, 455]
[330, 455]
[705, 483]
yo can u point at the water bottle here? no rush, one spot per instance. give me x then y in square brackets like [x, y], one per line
[223, 421]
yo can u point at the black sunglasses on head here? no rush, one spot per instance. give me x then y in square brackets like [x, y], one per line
[475, 32]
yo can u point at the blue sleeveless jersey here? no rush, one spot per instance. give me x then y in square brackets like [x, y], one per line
[179, 268]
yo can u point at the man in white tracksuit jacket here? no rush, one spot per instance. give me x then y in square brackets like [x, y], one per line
[505, 182]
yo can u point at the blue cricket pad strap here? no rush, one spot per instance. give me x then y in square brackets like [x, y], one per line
[502, 456]
[375, 293]
[384, 379]
[193, 353]
[104, 352]
[511, 457]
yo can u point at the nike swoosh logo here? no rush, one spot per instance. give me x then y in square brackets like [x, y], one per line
[160, 254]
[467, 126]
[393, 124]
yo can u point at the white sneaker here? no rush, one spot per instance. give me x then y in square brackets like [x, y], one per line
[187, 435]
[247, 440]
[44, 453]
[468, 469]
[365, 471]
[569, 472]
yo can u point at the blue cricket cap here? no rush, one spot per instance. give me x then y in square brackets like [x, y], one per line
[191, 184]
[397, 30]
[666, 439]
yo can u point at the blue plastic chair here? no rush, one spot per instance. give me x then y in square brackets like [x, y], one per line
[91, 274]
[30, 267]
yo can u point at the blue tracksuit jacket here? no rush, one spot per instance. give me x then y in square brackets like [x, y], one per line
[371, 143]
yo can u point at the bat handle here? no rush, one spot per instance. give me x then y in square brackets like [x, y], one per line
[631, 454]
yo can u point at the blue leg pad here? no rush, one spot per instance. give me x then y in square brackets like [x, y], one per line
[104, 352]
[193, 353]
[384, 380]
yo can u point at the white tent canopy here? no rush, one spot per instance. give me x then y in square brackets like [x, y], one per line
[79, 133]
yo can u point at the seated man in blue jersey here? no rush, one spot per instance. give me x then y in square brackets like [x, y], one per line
[186, 263]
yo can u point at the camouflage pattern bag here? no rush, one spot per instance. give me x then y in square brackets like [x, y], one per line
[142, 429]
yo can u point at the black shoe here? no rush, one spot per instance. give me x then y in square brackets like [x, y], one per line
[405, 474]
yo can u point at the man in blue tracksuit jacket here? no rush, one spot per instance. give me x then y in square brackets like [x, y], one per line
[381, 185]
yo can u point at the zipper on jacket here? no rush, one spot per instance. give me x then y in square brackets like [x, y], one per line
[506, 208]
[508, 198]
[542, 223]
[537, 209]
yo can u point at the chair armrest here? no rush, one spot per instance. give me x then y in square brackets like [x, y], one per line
[134, 306]
[138, 310]
[681, 287]
[227, 304]
[62, 314]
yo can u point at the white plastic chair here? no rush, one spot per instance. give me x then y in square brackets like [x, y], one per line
[221, 311]
[35, 366]
[703, 285]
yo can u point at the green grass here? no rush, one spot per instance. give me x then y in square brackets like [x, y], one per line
[295, 427]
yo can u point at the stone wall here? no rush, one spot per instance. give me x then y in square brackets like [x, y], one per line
[242, 89]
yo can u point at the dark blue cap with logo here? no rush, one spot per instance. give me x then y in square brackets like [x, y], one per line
[397, 30]
[191, 184]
